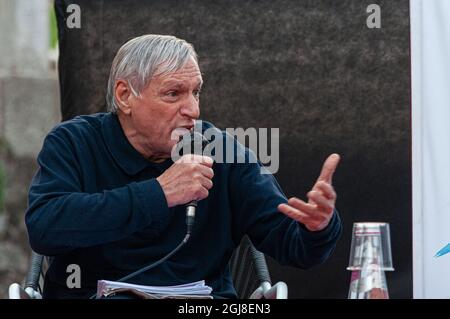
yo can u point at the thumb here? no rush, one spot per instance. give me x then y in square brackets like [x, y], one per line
[328, 168]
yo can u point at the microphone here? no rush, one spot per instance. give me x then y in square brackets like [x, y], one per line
[192, 143]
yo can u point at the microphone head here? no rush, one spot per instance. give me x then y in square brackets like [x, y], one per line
[192, 143]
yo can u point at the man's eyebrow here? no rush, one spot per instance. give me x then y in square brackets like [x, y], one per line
[179, 84]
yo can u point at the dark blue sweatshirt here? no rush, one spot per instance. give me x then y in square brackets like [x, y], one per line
[95, 202]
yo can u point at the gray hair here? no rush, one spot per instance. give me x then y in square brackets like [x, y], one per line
[144, 57]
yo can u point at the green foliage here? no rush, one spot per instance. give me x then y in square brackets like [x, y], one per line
[53, 29]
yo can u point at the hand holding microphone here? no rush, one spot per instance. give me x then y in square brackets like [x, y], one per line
[188, 179]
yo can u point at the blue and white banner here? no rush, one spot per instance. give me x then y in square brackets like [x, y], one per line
[430, 54]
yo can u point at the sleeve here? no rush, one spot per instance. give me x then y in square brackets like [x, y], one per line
[60, 217]
[255, 199]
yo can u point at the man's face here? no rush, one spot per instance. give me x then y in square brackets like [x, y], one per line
[168, 103]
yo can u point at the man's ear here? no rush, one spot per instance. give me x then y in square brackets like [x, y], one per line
[123, 94]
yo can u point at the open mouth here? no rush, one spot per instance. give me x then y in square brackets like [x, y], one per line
[180, 131]
[188, 127]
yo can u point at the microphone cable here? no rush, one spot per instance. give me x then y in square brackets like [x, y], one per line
[156, 263]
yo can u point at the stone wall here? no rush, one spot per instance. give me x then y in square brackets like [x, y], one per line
[29, 108]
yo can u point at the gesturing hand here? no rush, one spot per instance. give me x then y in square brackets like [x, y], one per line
[317, 213]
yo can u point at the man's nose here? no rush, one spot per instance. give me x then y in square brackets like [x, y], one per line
[191, 108]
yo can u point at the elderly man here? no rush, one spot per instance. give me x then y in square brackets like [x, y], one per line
[108, 197]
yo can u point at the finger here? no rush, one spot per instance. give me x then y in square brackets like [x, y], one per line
[188, 158]
[206, 161]
[328, 168]
[309, 209]
[313, 212]
[293, 213]
[201, 193]
[321, 201]
[206, 182]
[206, 171]
[197, 159]
[326, 189]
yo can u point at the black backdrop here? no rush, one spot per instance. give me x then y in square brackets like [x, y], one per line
[311, 68]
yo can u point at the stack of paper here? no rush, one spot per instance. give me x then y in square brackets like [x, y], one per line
[196, 289]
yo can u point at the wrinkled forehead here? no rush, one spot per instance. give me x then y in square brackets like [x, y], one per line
[189, 74]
